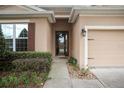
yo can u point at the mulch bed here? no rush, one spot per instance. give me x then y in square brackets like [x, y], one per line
[76, 73]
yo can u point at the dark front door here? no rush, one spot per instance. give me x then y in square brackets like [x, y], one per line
[62, 43]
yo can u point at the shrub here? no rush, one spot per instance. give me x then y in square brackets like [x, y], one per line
[6, 66]
[24, 79]
[73, 61]
[19, 55]
[85, 71]
[32, 64]
[7, 57]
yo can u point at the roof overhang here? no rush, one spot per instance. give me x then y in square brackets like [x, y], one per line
[95, 11]
[48, 14]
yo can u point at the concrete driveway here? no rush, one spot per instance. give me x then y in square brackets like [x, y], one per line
[110, 77]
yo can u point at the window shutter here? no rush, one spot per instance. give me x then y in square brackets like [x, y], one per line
[31, 36]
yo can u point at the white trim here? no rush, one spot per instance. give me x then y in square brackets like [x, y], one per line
[105, 27]
[15, 21]
[22, 38]
[14, 37]
[61, 16]
[24, 7]
[49, 14]
[86, 49]
[95, 11]
[99, 15]
[34, 8]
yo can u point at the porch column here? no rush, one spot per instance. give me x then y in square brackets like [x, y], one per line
[86, 49]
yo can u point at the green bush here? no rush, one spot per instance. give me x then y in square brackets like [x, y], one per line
[6, 66]
[73, 61]
[7, 57]
[32, 64]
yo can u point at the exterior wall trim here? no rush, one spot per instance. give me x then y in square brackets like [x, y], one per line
[95, 11]
[15, 21]
[104, 27]
[50, 15]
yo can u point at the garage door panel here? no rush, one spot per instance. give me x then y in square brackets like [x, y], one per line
[106, 48]
[106, 61]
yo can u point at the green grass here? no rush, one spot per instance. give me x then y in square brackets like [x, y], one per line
[23, 79]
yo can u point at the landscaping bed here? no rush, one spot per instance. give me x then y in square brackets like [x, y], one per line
[76, 73]
[24, 69]
[22, 79]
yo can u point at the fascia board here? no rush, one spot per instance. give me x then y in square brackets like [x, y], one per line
[34, 8]
[49, 15]
[95, 12]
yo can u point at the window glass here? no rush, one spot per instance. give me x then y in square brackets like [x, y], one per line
[21, 37]
[20, 31]
[21, 44]
[7, 30]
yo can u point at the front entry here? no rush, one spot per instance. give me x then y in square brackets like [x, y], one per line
[62, 43]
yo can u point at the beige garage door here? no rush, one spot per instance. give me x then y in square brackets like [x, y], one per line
[106, 48]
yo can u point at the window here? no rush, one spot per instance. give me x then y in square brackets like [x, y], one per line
[7, 30]
[16, 36]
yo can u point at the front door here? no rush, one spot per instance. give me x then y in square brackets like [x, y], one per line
[62, 43]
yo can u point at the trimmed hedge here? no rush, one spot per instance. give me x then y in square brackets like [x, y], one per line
[7, 57]
[32, 64]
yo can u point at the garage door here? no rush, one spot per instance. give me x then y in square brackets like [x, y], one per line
[106, 48]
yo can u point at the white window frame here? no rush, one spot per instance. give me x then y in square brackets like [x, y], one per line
[14, 35]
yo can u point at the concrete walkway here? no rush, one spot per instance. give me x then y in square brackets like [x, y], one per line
[60, 77]
[110, 77]
[106, 77]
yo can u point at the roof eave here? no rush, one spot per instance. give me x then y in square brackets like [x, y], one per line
[49, 15]
[94, 12]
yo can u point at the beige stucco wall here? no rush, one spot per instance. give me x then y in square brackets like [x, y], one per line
[42, 34]
[76, 32]
[78, 40]
[49, 36]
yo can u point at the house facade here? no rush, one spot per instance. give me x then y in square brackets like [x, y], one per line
[94, 35]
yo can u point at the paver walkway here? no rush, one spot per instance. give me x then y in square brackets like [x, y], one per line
[60, 77]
